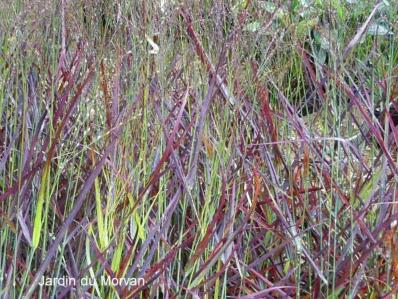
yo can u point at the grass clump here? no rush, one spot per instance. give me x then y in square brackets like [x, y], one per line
[205, 149]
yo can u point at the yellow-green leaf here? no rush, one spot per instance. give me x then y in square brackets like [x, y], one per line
[39, 208]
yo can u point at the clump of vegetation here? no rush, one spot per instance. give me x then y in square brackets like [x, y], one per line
[198, 149]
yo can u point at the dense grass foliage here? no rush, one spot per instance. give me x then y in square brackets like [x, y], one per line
[198, 149]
